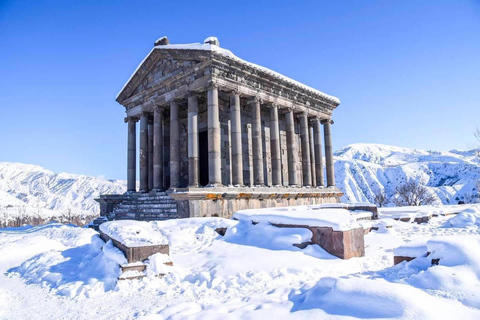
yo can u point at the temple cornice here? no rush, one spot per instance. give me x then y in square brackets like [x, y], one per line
[228, 72]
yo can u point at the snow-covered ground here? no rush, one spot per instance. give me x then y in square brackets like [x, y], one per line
[65, 272]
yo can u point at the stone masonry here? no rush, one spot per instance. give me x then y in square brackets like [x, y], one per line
[219, 134]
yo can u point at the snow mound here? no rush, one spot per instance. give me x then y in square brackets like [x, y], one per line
[313, 216]
[134, 233]
[416, 248]
[467, 218]
[457, 275]
[366, 298]
[264, 235]
[86, 270]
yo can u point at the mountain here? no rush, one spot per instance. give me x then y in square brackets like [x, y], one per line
[363, 169]
[32, 191]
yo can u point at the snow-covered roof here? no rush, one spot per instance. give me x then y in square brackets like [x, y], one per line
[227, 53]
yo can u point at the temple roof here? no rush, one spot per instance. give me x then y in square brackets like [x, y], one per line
[227, 54]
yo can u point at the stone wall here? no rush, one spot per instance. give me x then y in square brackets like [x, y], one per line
[200, 202]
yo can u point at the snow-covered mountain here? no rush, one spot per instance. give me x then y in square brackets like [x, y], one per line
[30, 190]
[363, 169]
[360, 169]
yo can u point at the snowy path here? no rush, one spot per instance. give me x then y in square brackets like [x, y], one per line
[61, 272]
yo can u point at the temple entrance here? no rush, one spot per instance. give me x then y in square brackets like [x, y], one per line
[203, 157]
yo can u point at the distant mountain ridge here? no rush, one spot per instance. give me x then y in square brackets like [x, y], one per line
[30, 190]
[360, 171]
[363, 169]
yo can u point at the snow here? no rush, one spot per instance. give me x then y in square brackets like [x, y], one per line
[313, 216]
[416, 248]
[134, 233]
[429, 211]
[30, 191]
[362, 169]
[229, 54]
[469, 217]
[253, 272]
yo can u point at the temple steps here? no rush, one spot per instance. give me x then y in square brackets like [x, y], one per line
[158, 206]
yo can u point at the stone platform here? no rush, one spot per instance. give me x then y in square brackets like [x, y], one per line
[207, 202]
[224, 201]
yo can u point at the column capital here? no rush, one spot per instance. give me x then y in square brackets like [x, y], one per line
[269, 104]
[235, 92]
[131, 118]
[191, 94]
[325, 121]
[254, 100]
[144, 114]
[212, 85]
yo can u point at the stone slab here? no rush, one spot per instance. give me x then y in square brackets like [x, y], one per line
[343, 244]
[134, 254]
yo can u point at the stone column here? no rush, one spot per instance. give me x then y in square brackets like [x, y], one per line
[312, 155]
[174, 145]
[158, 149]
[292, 153]
[258, 178]
[317, 137]
[214, 160]
[275, 146]
[150, 155]
[236, 124]
[193, 140]
[131, 157]
[328, 152]
[144, 152]
[307, 173]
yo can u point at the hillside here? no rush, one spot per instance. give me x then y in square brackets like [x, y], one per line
[363, 169]
[33, 191]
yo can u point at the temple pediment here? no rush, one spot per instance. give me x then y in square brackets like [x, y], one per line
[158, 68]
[172, 70]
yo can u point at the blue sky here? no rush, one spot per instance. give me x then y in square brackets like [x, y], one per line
[407, 72]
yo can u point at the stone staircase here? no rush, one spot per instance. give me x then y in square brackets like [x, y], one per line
[146, 207]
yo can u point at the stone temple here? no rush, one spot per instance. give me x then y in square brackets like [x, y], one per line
[219, 134]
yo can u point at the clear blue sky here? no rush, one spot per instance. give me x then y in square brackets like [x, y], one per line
[407, 72]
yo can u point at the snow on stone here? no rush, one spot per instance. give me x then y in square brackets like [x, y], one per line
[415, 248]
[466, 218]
[313, 216]
[413, 212]
[134, 233]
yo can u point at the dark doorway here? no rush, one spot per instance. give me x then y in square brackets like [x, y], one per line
[203, 157]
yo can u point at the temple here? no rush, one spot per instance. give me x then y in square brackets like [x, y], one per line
[219, 134]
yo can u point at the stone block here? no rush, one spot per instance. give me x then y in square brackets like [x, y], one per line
[134, 254]
[400, 259]
[343, 244]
